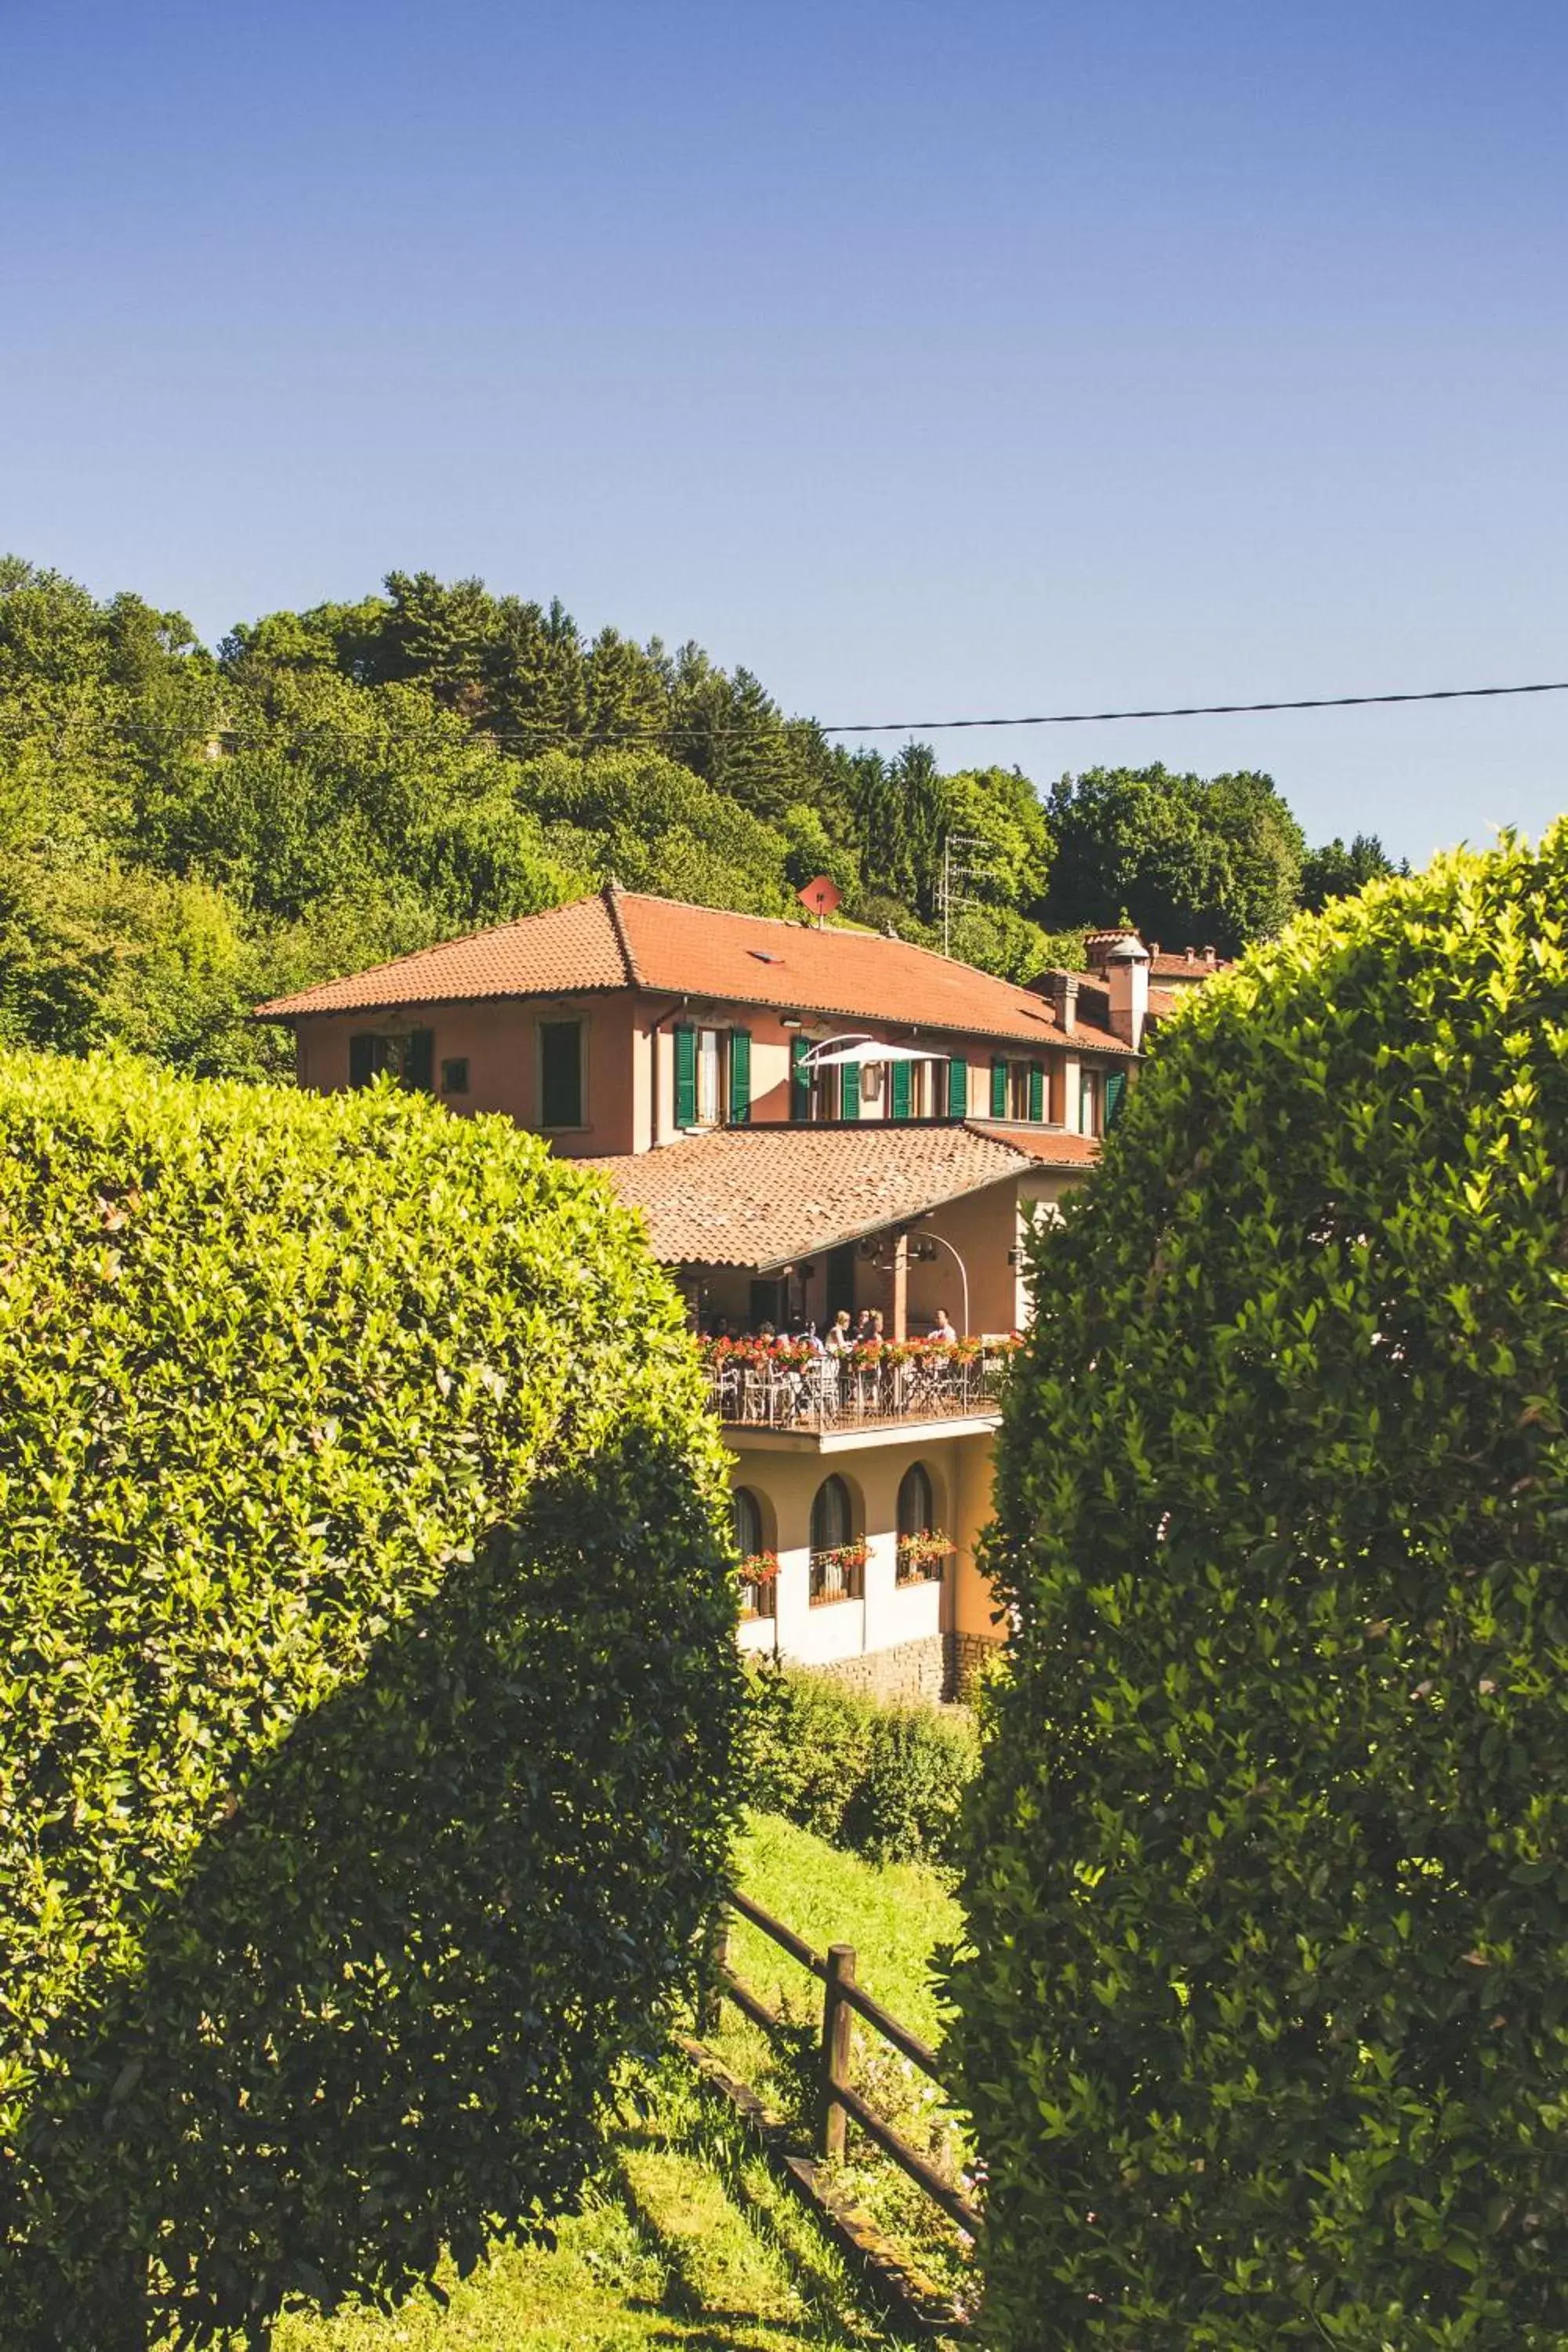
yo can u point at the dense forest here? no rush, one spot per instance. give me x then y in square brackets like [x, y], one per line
[183, 831]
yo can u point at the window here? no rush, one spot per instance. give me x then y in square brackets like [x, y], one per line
[748, 1515]
[757, 1590]
[709, 1077]
[406, 1058]
[1018, 1090]
[454, 1075]
[837, 1559]
[559, 1073]
[1089, 1104]
[917, 1508]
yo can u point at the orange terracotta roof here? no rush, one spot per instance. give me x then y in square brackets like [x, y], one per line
[1051, 1145]
[763, 1196]
[1164, 963]
[619, 939]
[1164, 1000]
[571, 948]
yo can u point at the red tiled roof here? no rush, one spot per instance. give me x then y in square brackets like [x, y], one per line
[619, 939]
[760, 1196]
[1164, 963]
[571, 948]
[1051, 1145]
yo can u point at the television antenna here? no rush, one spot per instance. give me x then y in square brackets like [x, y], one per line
[960, 866]
[821, 896]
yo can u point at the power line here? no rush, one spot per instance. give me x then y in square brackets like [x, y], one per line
[729, 735]
[1057, 717]
[1189, 709]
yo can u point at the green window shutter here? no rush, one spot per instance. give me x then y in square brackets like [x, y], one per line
[799, 1078]
[686, 1077]
[958, 1087]
[419, 1064]
[362, 1067]
[998, 1089]
[850, 1090]
[1036, 1091]
[900, 1084]
[740, 1077]
[1115, 1088]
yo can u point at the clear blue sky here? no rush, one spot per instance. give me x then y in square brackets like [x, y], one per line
[929, 359]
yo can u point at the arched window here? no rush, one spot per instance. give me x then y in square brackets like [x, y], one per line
[830, 1515]
[836, 1559]
[748, 1521]
[922, 1546]
[917, 1504]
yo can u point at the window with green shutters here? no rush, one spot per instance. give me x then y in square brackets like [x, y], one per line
[1036, 1091]
[686, 1077]
[899, 1074]
[850, 1090]
[1115, 1088]
[998, 1089]
[799, 1079]
[958, 1087]
[740, 1077]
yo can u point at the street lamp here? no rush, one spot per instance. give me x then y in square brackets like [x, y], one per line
[943, 1243]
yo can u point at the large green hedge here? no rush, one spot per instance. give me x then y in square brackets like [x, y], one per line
[1267, 2035]
[368, 1685]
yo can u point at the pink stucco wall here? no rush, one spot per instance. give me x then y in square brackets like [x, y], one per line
[630, 1062]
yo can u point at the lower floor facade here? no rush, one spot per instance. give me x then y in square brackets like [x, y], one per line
[864, 1546]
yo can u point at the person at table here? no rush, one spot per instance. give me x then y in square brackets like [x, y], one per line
[942, 1330]
[840, 1338]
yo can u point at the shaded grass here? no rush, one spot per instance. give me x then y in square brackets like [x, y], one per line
[687, 2242]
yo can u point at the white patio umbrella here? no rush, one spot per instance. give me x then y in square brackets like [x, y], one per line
[833, 1053]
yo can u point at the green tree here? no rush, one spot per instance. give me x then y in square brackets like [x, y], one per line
[1335, 872]
[1192, 860]
[1264, 2031]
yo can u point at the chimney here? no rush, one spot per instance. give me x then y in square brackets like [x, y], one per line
[1127, 978]
[1210, 958]
[1059, 989]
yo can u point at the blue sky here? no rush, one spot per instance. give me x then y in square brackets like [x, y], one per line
[930, 359]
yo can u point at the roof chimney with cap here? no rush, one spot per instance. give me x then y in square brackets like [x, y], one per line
[1127, 980]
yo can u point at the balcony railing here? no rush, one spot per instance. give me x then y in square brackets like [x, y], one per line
[788, 1390]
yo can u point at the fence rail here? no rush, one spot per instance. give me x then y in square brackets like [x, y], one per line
[836, 1392]
[843, 2000]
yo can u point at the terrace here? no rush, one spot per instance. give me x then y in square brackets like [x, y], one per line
[783, 1385]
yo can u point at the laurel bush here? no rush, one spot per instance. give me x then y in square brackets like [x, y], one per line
[367, 1687]
[1265, 2029]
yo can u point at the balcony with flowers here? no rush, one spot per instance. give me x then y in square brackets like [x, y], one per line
[792, 1385]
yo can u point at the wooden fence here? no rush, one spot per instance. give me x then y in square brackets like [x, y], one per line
[843, 2000]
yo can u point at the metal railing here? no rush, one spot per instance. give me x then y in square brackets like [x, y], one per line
[837, 1393]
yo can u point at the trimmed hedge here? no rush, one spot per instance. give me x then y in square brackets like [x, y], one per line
[1266, 2035]
[885, 1782]
[368, 1684]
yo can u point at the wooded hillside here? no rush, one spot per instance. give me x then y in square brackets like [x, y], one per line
[184, 832]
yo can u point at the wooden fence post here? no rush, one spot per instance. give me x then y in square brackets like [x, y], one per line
[715, 1956]
[837, 2023]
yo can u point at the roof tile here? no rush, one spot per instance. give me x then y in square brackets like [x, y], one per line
[619, 939]
[760, 1196]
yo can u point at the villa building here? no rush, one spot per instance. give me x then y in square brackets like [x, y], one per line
[810, 1121]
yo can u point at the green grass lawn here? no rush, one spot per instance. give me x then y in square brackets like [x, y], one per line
[688, 2243]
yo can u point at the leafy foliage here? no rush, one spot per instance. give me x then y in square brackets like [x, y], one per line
[368, 1687]
[885, 1782]
[1265, 2032]
[181, 835]
[1336, 872]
